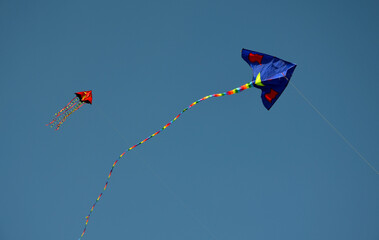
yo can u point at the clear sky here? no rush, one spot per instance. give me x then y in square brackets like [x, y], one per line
[228, 169]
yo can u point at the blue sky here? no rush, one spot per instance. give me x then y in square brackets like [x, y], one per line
[228, 169]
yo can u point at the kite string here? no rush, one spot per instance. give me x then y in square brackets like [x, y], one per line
[231, 92]
[335, 129]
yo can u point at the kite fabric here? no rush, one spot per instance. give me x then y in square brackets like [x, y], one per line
[76, 103]
[270, 74]
[269, 69]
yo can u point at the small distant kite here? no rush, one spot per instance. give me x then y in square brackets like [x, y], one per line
[76, 103]
[270, 74]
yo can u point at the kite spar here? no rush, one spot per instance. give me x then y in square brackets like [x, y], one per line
[270, 74]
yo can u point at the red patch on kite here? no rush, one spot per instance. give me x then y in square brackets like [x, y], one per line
[255, 58]
[270, 96]
[85, 96]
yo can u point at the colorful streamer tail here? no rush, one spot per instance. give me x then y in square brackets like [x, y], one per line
[231, 92]
[65, 112]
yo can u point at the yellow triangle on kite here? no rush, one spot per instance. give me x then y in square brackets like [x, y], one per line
[258, 80]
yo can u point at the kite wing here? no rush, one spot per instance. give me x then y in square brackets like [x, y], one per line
[85, 96]
[270, 74]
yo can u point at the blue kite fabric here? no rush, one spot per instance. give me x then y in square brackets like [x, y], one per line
[270, 74]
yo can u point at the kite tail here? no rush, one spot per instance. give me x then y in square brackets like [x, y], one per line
[71, 104]
[70, 111]
[231, 92]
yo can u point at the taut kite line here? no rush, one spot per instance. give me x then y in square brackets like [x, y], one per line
[270, 74]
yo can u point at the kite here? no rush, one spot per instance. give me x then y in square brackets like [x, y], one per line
[270, 74]
[76, 103]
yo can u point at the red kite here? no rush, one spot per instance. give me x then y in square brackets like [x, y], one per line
[76, 103]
